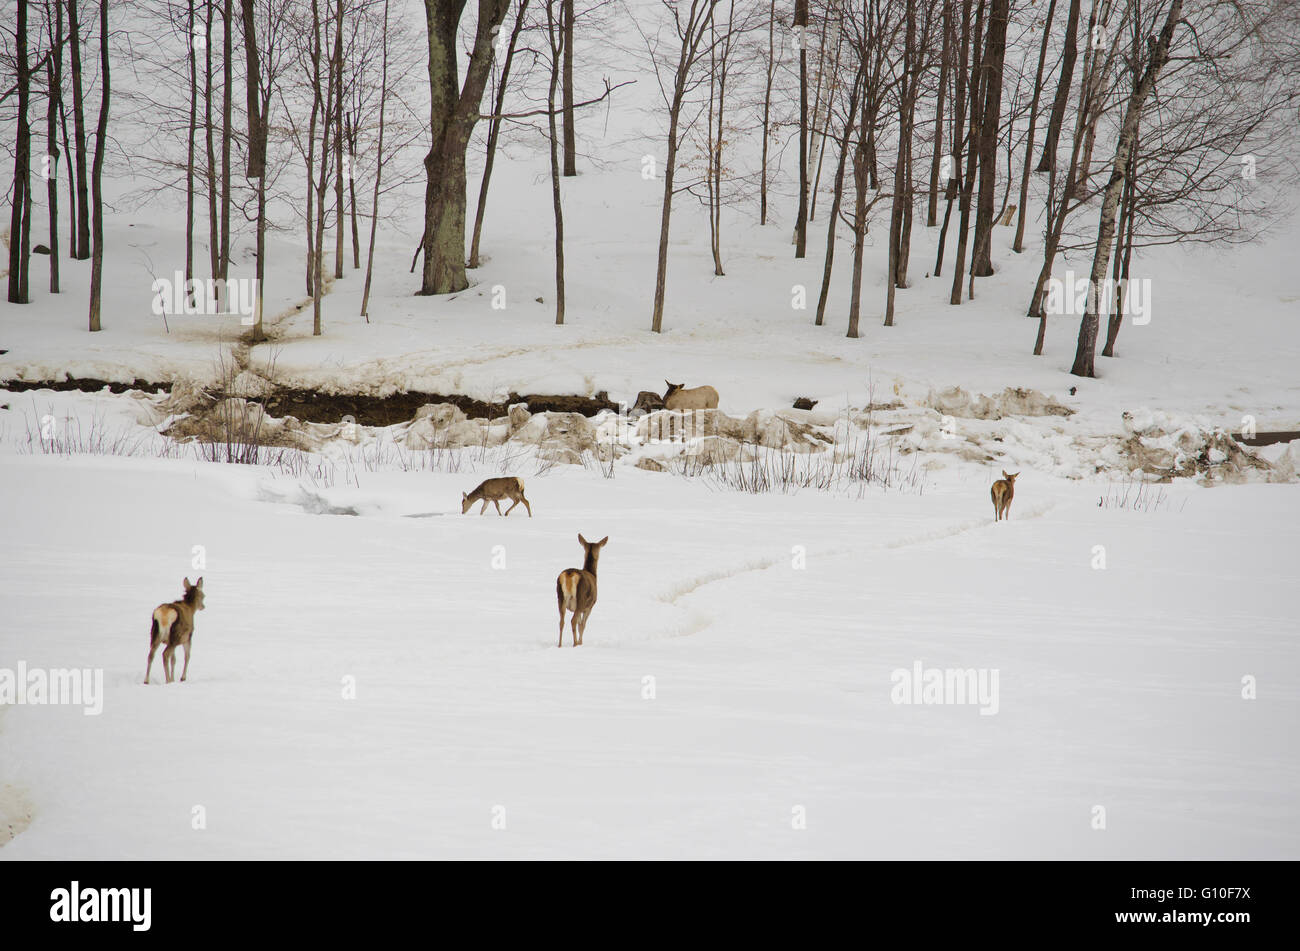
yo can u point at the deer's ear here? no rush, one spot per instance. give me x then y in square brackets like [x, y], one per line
[601, 543]
[464, 496]
[199, 584]
[582, 541]
[187, 584]
[1004, 474]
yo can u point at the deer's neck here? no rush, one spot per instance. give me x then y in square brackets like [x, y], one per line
[589, 565]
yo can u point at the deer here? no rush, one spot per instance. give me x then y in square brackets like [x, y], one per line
[494, 490]
[575, 590]
[172, 627]
[699, 397]
[1003, 491]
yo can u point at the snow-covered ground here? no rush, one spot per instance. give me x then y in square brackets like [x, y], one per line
[772, 625]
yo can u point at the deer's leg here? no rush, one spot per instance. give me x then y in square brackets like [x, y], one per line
[561, 643]
[166, 661]
[483, 510]
[573, 629]
[186, 669]
[497, 503]
[149, 666]
[512, 508]
[527, 506]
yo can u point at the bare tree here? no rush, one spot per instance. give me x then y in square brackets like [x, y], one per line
[97, 173]
[21, 215]
[691, 29]
[454, 110]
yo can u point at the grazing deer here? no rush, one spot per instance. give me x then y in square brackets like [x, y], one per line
[1004, 490]
[699, 397]
[494, 490]
[173, 626]
[575, 590]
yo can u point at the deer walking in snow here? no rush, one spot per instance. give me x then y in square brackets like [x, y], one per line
[494, 490]
[172, 627]
[1004, 490]
[575, 590]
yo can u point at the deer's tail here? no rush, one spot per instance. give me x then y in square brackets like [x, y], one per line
[567, 589]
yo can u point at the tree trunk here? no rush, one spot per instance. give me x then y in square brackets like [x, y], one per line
[932, 209]
[189, 153]
[1159, 55]
[256, 142]
[214, 219]
[990, 116]
[81, 246]
[801, 222]
[958, 132]
[1019, 244]
[379, 170]
[1068, 56]
[21, 212]
[227, 130]
[860, 182]
[54, 77]
[494, 131]
[453, 112]
[97, 174]
[767, 112]
[570, 135]
[838, 196]
[555, 36]
[340, 213]
[976, 134]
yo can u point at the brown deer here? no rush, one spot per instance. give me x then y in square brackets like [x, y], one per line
[494, 490]
[172, 627]
[575, 590]
[1004, 490]
[698, 397]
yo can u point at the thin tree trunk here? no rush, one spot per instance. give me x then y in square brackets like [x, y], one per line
[379, 170]
[97, 174]
[555, 35]
[352, 191]
[570, 134]
[860, 176]
[801, 221]
[838, 195]
[1019, 244]
[990, 120]
[256, 139]
[1068, 56]
[340, 213]
[494, 131]
[227, 90]
[932, 209]
[21, 211]
[214, 225]
[81, 247]
[767, 112]
[54, 77]
[189, 153]
[958, 133]
[976, 132]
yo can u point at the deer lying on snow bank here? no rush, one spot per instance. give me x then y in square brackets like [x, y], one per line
[698, 397]
[172, 627]
[575, 590]
[1003, 491]
[494, 490]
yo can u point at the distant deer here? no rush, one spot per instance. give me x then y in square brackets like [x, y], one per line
[699, 397]
[575, 590]
[173, 626]
[1004, 490]
[494, 490]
